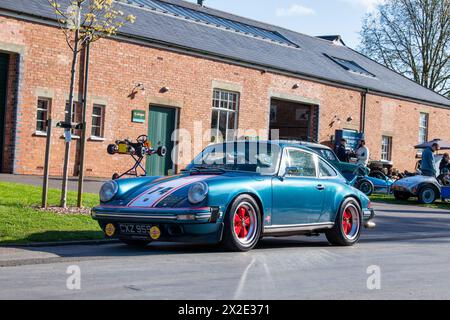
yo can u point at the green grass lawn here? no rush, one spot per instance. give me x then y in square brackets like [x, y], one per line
[384, 198]
[22, 222]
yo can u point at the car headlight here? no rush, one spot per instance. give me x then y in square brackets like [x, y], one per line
[197, 192]
[108, 191]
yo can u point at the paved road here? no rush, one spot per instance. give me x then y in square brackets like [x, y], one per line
[91, 185]
[411, 246]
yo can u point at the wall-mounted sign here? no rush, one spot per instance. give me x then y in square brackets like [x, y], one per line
[138, 116]
[353, 138]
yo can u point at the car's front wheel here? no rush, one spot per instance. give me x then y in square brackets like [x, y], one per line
[427, 195]
[347, 227]
[242, 227]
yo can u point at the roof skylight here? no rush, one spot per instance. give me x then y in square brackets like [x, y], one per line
[208, 19]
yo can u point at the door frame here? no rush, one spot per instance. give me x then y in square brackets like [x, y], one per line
[280, 176]
[176, 126]
[315, 106]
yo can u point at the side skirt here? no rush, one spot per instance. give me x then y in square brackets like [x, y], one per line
[297, 229]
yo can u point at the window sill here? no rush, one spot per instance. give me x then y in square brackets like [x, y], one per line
[40, 134]
[73, 137]
[97, 139]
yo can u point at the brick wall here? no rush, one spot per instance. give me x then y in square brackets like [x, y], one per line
[117, 66]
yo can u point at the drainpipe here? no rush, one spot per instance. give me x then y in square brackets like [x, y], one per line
[362, 125]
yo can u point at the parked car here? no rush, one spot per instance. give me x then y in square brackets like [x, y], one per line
[235, 194]
[426, 189]
[377, 183]
[347, 169]
[357, 175]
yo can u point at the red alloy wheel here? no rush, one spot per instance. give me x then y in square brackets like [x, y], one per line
[347, 222]
[242, 222]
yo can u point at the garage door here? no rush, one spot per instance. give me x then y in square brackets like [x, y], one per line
[294, 121]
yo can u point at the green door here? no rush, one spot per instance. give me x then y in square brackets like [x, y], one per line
[160, 128]
[4, 59]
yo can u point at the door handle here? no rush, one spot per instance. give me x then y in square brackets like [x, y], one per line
[320, 187]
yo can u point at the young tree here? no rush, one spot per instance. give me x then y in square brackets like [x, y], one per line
[411, 37]
[83, 22]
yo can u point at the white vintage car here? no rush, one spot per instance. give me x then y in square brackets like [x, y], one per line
[426, 189]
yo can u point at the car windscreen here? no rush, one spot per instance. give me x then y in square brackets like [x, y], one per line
[327, 154]
[255, 157]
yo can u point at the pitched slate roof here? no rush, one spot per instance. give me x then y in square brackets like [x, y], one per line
[308, 56]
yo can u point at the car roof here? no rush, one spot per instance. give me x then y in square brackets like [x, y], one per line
[283, 143]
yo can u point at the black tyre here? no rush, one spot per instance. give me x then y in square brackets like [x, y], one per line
[427, 194]
[366, 187]
[242, 227]
[347, 227]
[135, 243]
[112, 149]
[402, 196]
[161, 151]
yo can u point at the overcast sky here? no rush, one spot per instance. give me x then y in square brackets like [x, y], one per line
[312, 17]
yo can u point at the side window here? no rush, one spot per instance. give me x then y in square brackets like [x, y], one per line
[303, 161]
[325, 170]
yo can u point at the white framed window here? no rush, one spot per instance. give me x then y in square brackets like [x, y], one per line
[386, 148]
[225, 108]
[423, 127]
[98, 120]
[43, 111]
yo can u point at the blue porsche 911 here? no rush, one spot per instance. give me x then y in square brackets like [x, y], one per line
[234, 194]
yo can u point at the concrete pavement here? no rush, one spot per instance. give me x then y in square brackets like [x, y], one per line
[91, 185]
[410, 247]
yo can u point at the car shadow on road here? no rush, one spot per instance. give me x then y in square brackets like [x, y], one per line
[408, 211]
[389, 229]
[398, 228]
[118, 249]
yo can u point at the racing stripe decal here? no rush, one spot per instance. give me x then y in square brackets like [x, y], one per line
[157, 193]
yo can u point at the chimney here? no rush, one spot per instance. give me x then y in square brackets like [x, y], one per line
[200, 2]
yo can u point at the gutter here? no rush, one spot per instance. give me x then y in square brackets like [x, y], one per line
[226, 59]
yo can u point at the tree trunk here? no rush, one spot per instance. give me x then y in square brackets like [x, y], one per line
[69, 120]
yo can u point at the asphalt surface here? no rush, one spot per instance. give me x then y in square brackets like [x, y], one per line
[91, 185]
[409, 250]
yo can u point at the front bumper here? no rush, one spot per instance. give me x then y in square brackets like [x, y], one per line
[368, 216]
[200, 225]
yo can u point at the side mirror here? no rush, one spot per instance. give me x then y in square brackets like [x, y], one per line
[291, 171]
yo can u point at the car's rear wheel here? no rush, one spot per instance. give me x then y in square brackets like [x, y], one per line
[135, 243]
[347, 227]
[366, 187]
[427, 195]
[242, 225]
[402, 196]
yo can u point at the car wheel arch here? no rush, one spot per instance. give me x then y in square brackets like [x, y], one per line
[424, 185]
[350, 196]
[338, 205]
[250, 194]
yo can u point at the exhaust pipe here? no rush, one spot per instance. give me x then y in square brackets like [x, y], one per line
[370, 224]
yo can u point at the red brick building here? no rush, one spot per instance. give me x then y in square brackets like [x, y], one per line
[219, 70]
